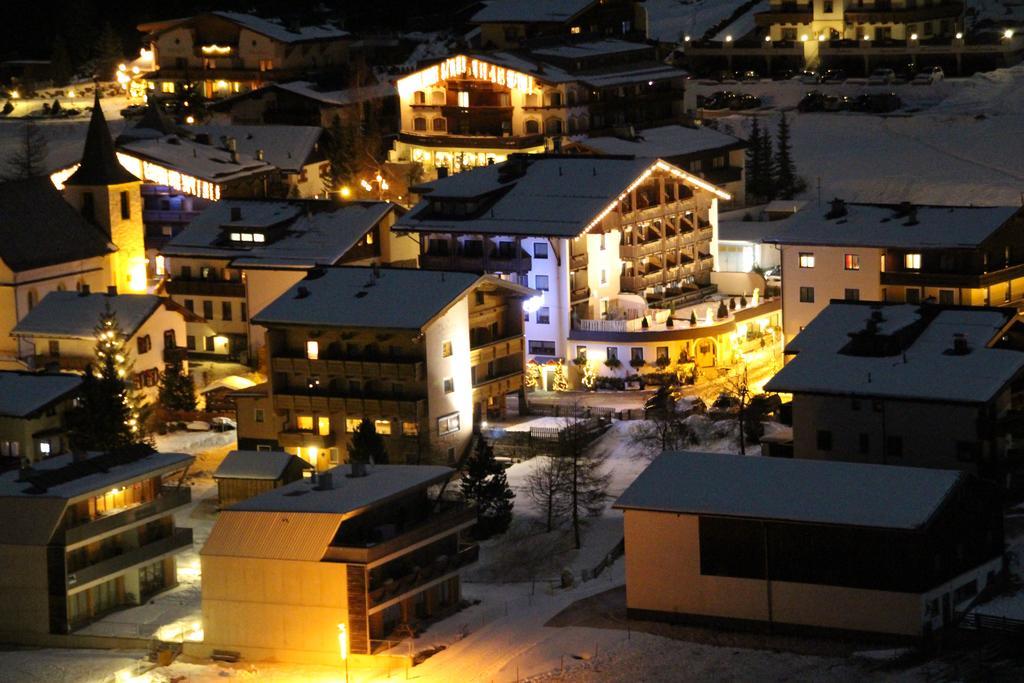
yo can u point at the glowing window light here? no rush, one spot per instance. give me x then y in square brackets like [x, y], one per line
[216, 49]
[460, 65]
[1008, 33]
[913, 36]
[767, 39]
[959, 35]
[728, 39]
[803, 38]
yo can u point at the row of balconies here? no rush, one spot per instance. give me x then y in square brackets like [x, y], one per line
[500, 348]
[442, 566]
[635, 251]
[408, 370]
[166, 500]
[179, 540]
[491, 263]
[223, 288]
[339, 402]
[438, 525]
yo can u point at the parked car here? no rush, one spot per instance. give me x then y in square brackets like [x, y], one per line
[719, 100]
[724, 76]
[836, 103]
[812, 101]
[809, 77]
[881, 77]
[784, 75]
[876, 103]
[834, 76]
[773, 277]
[750, 77]
[929, 76]
[725, 406]
[745, 101]
[133, 111]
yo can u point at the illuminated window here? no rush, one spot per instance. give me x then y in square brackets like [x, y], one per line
[446, 349]
[167, 87]
[912, 261]
[266, 65]
[806, 260]
[449, 424]
[464, 98]
[419, 123]
[352, 424]
[305, 422]
[236, 237]
[575, 30]
[44, 448]
[851, 262]
[410, 429]
[323, 425]
[312, 349]
[382, 427]
[259, 237]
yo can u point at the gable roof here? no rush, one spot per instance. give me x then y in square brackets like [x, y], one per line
[24, 393]
[556, 196]
[39, 228]
[866, 225]
[316, 232]
[73, 315]
[99, 165]
[662, 142]
[257, 465]
[349, 296]
[923, 369]
[207, 162]
[809, 491]
[532, 11]
[271, 28]
[311, 91]
[288, 148]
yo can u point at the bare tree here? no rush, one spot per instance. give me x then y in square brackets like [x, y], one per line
[663, 431]
[28, 160]
[588, 482]
[548, 488]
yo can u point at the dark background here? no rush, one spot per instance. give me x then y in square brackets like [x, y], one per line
[28, 28]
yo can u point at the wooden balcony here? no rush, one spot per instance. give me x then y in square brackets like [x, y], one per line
[499, 348]
[493, 387]
[167, 499]
[408, 369]
[179, 540]
[221, 288]
[493, 263]
[440, 568]
[299, 438]
[412, 409]
[579, 294]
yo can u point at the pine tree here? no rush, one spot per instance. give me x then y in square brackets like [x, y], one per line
[766, 174]
[755, 164]
[60, 60]
[28, 160]
[108, 417]
[177, 388]
[340, 150]
[787, 183]
[485, 484]
[367, 446]
[107, 51]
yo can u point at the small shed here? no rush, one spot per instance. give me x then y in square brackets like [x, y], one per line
[244, 474]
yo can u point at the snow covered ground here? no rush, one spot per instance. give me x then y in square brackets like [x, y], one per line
[668, 21]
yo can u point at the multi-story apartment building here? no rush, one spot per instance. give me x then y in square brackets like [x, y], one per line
[952, 255]
[425, 355]
[33, 412]
[84, 535]
[472, 110]
[360, 556]
[61, 330]
[808, 547]
[512, 23]
[224, 53]
[716, 157]
[305, 103]
[238, 256]
[600, 238]
[921, 385]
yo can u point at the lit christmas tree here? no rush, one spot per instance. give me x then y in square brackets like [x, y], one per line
[559, 382]
[531, 375]
[589, 376]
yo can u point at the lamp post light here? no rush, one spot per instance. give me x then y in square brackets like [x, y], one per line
[343, 647]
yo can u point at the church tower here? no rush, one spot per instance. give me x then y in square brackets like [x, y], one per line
[111, 197]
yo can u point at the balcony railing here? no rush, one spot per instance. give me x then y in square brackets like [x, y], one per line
[414, 409]
[579, 294]
[409, 369]
[179, 540]
[174, 354]
[499, 348]
[441, 567]
[441, 524]
[477, 263]
[168, 499]
[225, 288]
[300, 438]
[499, 385]
[474, 142]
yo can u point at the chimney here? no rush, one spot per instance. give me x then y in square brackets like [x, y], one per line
[442, 172]
[236, 213]
[302, 293]
[837, 209]
[911, 216]
[358, 469]
[324, 482]
[85, 290]
[230, 144]
[376, 270]
[112, 290]
[259, 155]
[960, 347]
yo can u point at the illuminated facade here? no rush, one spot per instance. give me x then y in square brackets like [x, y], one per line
[349, 344]
[227, 52]
[470, 111]
[511, 23]
[601, 239]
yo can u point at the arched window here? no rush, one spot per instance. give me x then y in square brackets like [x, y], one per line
[572, 98]
[437, 97]
[554, 99]
[532, 126]
[419, 123]
[440, 125]
[420, 97]
[553, 126]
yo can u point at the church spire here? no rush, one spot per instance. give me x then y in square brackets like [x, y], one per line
[99, 162]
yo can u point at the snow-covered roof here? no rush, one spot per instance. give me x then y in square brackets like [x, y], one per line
[207, 162]
[315, 232]
[866, 225]
[397, 298]
[82, 479]
[746, 231]
[337, 98]
[24, 393]
[347, 494]
[288, 148]
[591, 48]
[540, 11]
[805, 491]
[555, 196]
[73, 315]
[600, 77]
[921, 367]
[662, 142]
[273, 28]
[256, 465]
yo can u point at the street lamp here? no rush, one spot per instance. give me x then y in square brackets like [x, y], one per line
[343, 646]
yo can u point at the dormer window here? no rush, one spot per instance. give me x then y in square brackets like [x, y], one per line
[248, 237]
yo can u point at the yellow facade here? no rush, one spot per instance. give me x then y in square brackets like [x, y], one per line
[117, 210]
